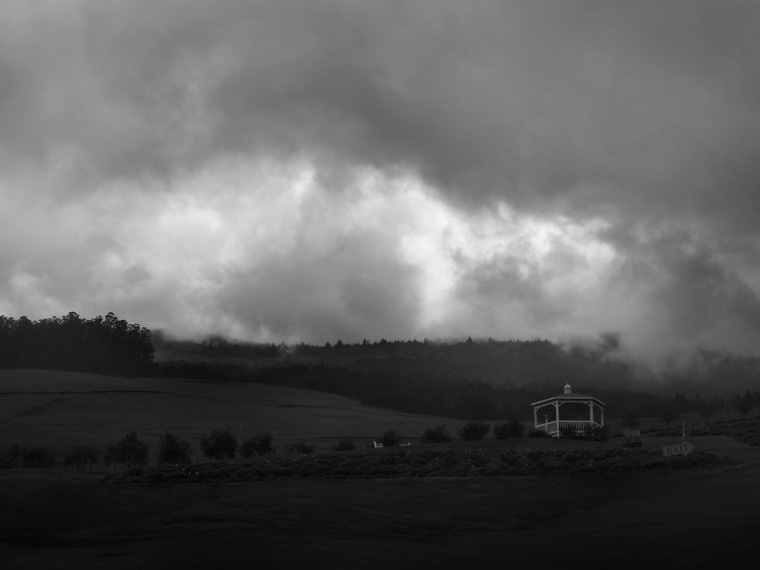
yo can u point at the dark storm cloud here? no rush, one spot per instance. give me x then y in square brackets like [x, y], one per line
[592, 102]
[642, 115]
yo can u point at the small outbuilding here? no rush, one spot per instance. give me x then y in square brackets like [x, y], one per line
[578, 412]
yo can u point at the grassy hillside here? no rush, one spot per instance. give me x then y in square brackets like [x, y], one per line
[62, 409]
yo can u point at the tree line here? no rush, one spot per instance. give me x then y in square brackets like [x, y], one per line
[104, 345]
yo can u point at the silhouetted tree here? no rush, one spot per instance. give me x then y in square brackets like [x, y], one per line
[128, 452]
[708, 409]
[436, 435]
[344, 445]
[173, 449]
[743, 404]
[474, 431]
[507, 430]
[390, 438]
[260, 444]
[82, 456]
[219, 445]
[668, 416]
[36, 457]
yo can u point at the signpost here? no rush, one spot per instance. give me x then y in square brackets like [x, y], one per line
[680, 449]
[632, 438]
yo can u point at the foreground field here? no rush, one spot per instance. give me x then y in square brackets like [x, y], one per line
[57, 518]
[63, 520]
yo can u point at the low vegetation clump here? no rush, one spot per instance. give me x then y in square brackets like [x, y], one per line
[509, 430]
[300, 447]
[424, 462]
[537, 433]
[129, 452]
[173, 449]
[474, 431]
[390, 438]
[36, 457]
[597, 433]
[219, 444]
[26, 457]
[344, 445]
[260, 444]
[11, 457]
[82, 457]
[436, 435]
[565, 431]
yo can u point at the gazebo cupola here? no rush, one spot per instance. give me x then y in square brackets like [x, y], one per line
[580, 412]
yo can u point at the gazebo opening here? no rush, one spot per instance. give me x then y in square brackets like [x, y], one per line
[568, 410]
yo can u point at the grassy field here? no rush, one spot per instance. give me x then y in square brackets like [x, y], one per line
[58, 518]
[61, 409]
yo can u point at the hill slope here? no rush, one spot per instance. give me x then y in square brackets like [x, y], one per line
[62, 409]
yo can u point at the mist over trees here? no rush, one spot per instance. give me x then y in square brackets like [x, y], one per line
[470, 380]
[104, 345]
[473, 380]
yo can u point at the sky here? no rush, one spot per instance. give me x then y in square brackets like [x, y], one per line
[308, 171]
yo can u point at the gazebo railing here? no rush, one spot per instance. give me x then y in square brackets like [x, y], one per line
[578, 425]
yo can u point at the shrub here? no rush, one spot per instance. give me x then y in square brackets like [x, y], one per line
[390, 438]
[537, 433]
[437, 435]
[509, 429]
[82, 456]
[566, 431]
[174, 450]
[344, 445]
[129, 452]
[36, 457]
[260, 444]
[300, 447]
[219, 445]
[11, 457]
[474, 431]
[597, 433]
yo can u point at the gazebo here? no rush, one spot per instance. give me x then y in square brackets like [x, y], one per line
[549, 420]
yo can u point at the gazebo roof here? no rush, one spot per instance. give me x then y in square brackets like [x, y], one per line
[569, 396]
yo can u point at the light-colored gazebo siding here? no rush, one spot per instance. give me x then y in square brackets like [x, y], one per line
[552, 427]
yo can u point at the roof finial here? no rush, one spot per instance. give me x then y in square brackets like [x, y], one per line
[568, 389]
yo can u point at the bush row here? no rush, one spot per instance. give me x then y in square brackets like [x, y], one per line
[385, 464]
[130, 452]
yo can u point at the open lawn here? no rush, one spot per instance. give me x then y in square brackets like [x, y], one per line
[58, 518]
[62, 409]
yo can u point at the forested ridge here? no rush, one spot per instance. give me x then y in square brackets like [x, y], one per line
[475, 379]
[469, 379]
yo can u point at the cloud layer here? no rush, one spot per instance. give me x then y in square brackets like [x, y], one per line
[283, 170]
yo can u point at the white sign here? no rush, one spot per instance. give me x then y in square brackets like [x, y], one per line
[632, 433]
[680, 449]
